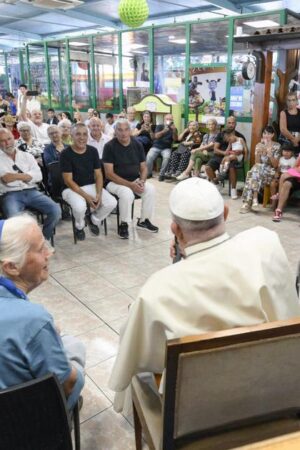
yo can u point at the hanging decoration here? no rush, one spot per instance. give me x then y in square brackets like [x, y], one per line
[133, 12]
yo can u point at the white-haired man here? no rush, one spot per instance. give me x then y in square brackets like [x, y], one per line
[96, 138]
[38, 127]
[30, 344]
[81, 169]
[19, 175]
[126, 170]
[222, 282]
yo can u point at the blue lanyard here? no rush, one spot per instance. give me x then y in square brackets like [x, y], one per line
[12, 288]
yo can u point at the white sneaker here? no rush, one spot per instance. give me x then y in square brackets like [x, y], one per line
[182, 177]
[234, 195]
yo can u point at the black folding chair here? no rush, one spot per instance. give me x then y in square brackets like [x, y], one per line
[34, 416]
[56, 187]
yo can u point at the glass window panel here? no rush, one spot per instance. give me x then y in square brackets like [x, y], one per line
[2, 74]
[58, 75]
[80, 72]
[209, 42]
[135, 66]
[38, 72]
[169, 62]
[14, 72]
[107, 72]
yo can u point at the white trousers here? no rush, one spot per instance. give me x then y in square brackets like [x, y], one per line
[126, 198]
[78, 205]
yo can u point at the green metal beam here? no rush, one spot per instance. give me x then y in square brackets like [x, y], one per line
[28, 66]
[121, 99]
[48, 75]
[21, 66]
[229, 64]
[93, 77]
[69, 75]
[151, 58]
[187, 71]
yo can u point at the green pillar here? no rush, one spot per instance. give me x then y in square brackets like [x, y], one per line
[121, 99]
[187, 71]
[28, 66]
[48, 74]
[21, 66]
[229, 64]
[151, 58]
[93, 77]
[69, 76]
[61, 80]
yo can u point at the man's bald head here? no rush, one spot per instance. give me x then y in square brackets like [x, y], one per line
[7, 142]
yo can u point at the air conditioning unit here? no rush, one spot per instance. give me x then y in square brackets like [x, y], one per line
[54, 4]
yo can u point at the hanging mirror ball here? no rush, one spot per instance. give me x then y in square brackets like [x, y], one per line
[133, 12]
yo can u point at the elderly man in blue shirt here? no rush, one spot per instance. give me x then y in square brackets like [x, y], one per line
[30, 344]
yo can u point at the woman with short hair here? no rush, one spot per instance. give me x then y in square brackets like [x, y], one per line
[27, 143]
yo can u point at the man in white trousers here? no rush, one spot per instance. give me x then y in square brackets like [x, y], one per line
[81, 169]
[126, 171]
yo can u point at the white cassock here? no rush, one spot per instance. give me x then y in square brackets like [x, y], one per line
[223, 283]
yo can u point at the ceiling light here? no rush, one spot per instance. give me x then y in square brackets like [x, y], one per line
[181, 41]
[262, 24]
[172, 37]
[139, 52]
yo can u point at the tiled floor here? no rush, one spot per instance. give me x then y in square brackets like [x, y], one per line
[92, 284]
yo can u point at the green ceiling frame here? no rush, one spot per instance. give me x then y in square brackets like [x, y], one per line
[283, 14]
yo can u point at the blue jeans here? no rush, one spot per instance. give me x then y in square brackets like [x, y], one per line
[15, 202]
[153, 153]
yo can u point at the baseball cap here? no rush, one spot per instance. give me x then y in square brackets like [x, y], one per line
[196, 199]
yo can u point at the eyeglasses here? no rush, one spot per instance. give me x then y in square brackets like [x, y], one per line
[25, 129]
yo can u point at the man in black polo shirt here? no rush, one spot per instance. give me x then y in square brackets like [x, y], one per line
[219, 153]
[164, 137]
[126, 170]
[81, 169]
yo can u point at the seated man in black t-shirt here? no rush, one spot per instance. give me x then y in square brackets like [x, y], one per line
[81, 169]
[164, 137]
[126, 172]
[220, 148]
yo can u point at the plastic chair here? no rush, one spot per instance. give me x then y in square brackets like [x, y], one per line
[222, 390]
[34, 416]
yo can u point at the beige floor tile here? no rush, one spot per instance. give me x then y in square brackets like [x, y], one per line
[118, 324]
[101, 343]
[93, 282]
[78, 320]
[100, 375]
[95, 289]
[74, 277]
[112, 307]
[94, 401]
[107, 431]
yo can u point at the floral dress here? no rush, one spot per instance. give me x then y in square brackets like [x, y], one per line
[180, 157]
[261, 174]
[35, 149]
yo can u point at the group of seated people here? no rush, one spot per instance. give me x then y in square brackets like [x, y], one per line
[98, 170]
[97, 173]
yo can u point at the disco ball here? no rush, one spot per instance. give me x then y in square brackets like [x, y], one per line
[133, 12]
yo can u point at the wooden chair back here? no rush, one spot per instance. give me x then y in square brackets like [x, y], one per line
[225, 380]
